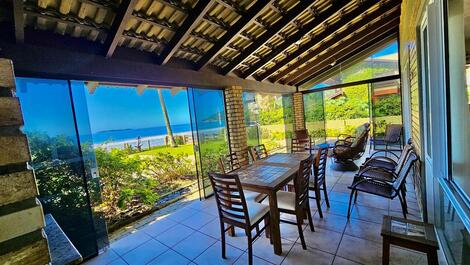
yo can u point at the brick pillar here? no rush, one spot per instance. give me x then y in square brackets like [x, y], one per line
[22, 239]
[299, 117]
[236, 121]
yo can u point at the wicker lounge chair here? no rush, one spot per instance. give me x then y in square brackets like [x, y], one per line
[350, 148]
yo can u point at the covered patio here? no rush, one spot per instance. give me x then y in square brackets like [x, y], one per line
[234, 132]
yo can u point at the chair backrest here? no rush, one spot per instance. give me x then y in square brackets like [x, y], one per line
[230, 199]
[320, 166]
[259, 152]
[403, 156]
[360, 142]
[301, 181]
[301, 134]
[407, 167]
[231, 162]
[393, 133]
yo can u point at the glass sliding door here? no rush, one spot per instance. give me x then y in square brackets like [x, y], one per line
[57, 158]
[208, 122]
[386, 110]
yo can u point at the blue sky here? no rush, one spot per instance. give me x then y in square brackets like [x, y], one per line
[122, 108]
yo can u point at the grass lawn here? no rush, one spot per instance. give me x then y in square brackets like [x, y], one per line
[186, 149]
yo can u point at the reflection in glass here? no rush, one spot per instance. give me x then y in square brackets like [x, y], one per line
[459, 109]
[209, 122]
[315, 116]
[386, 109]
[266, 116]
[56, 158]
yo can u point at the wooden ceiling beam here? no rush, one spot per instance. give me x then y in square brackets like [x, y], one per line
[296, 55]
[228, 37]
[297, 36]
[289, 16]
[104, 4]
[117, 28]
[18, 18]
[232, 5]
[178, 5]
[191, 21]
[362, 40]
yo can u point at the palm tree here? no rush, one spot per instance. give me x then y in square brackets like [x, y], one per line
[167, 120]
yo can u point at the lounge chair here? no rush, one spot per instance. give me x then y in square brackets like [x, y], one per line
[351, 148]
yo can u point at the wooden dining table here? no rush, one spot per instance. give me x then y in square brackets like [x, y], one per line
[268, 176]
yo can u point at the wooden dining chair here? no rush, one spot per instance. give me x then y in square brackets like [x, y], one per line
[235, 211]
[300, 145]
[297, 202]
[258, 152]
[230, 162]
[318, 182]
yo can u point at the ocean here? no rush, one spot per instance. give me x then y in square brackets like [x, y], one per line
[133, 134]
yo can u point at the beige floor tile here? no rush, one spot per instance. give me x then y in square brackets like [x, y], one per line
[104, 258]
[194, 245]
[118, 261]
[213, 255]
[368, 214]
[399, 256]
[174, 235]
[338, 208]
[330, 221]
[145, 253]
[170, 257]
[157, 227]
[360, 250]
[263, 249]
[243, 260]
[341, 261]
[363, 229]
[182, 214]
[322, 239]
[211, 229]
[339, 197]
[198, 220]
[129, 242]
[298, 255]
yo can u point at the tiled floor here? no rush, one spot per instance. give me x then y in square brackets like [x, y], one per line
[191, 235]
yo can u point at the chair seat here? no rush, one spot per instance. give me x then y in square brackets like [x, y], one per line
[285, 200]
[253, 196]
[378, 174]
[256, 211]
[383, 190]
[382, 164]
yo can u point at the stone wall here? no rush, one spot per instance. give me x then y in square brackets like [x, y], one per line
[236, 120]
[299, 117]
[22, 238]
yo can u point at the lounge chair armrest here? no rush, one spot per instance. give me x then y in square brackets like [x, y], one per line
[342, 142]
[388, 159]
[370, 168]
[376, 153]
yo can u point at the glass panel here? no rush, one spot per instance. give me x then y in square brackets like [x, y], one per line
[208, 110]
[251, 112]
[89, 159]
[458, 91]
[427, 92]
[288, 105]
[56, 158]
[381, 63]
[453, 234]
[315, 116]
[345, 110]
[386, 110]
[267, 113]
[143, 142]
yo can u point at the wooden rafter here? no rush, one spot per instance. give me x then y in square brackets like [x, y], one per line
[191, 21]
[18, 17]
[117, 28]
[296, 55]
[104, 4]
[237, 28]
[297, 36]
[362, 40]
[288, 17]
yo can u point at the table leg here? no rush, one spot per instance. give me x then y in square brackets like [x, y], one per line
[386, 251]
[275, 229]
